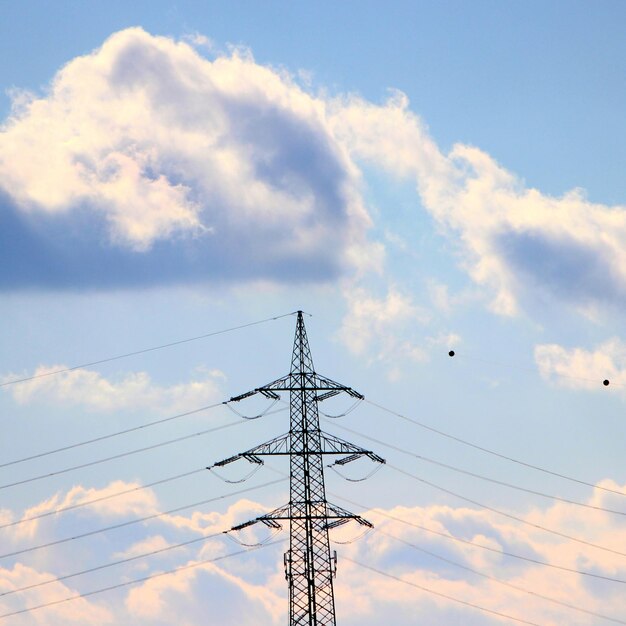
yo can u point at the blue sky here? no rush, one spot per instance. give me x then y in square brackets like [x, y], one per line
[420, 178]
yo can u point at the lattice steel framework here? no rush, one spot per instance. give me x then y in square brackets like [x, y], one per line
[309, 564]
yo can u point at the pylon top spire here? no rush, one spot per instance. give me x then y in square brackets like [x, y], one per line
[301, 360]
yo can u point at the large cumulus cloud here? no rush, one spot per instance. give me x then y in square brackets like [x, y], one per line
[147, 163]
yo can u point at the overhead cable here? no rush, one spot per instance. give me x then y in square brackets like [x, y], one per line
[263, 413]
[111, 435]
[439, 594]
[137, 520]
[499, 580]
[121, 455]
[481, 476]
[135, 581]
[111, 564]
[521, 520]
[109, 496]
[493, 452]
[452, 537]
[144, 350]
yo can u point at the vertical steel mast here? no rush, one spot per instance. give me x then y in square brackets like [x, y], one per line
[309, 564]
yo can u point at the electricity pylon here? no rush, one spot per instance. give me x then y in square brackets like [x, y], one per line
[309, 565]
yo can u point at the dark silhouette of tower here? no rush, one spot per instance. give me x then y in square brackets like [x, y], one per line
[310, 566]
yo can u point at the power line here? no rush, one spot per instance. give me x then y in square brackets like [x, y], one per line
[509, 515]
[120, 455]
[500, 581]
[484, 506]
[119, 562]
[110, 496]
[144, 350]
[126, 431]
[218, 534]
[137, 520]
[439, 594]
[452, 537]
[481, 476]
[493, 452]
[111, 564]
[114, 434]
[136, 580]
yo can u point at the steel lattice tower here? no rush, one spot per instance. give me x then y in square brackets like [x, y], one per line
[309, 564]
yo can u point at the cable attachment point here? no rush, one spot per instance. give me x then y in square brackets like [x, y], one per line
[248, 456]
[337, 516]
[275, 526]
[252, 417]
[356, 454]
[348, 459]
[242, 396]
[230, 481]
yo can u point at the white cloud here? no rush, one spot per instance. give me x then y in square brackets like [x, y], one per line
[89, 389]
[166, 599]
[380, 326]
[514, 240]
[147, 163]
[390, 330]
[141, 502]
[215, 522]
[144, 146]
[580, 368]
[80, 612]
[376, 599]
[242, 589]
[137, 503]
[156, 542]
[239, 591]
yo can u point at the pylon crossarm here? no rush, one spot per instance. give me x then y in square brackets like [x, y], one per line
[280, 384]
[338, 521]
[269, 390]
[278, 445]
[328, 394]
[336, 512]
[357, 455]
[337, 445]
[348, 459]
[244, 525]
[300, 381]
[242, 396]
[269, 519]
[285, 513]
[232, 532]
[329, 384]
[268, 393]
[272, 522]
[230, 459]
